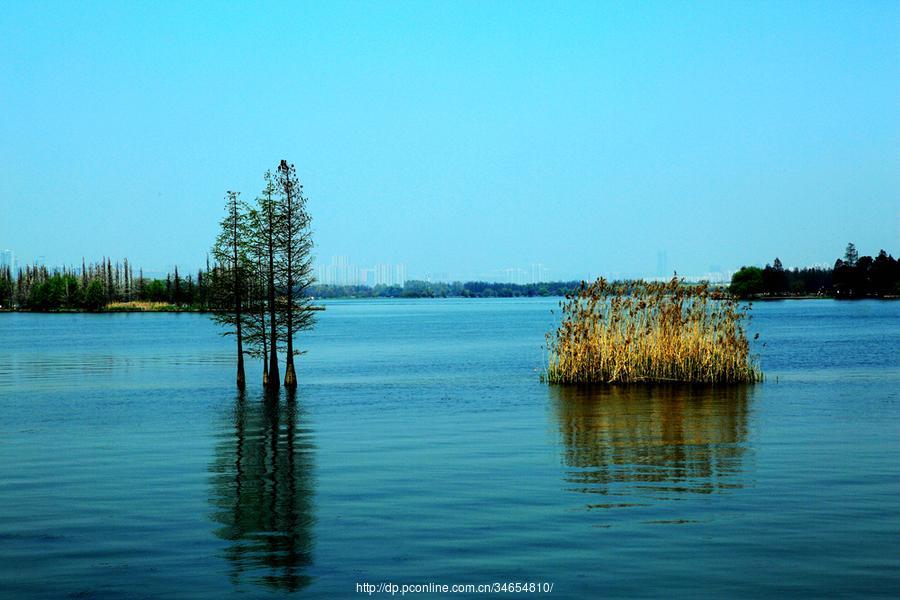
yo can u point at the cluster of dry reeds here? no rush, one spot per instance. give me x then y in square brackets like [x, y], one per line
[647, 332]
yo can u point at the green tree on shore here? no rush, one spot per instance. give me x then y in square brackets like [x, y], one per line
[6, 287]
[853, 276]
[93, 296]
[747, 282]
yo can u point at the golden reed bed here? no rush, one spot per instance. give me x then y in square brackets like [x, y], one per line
[650, 332]
[140, 306]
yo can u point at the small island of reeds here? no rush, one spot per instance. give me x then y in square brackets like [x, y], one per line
[641, 331]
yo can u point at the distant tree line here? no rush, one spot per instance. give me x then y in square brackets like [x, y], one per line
[97, 285]
[264, 273]
[40, 289]
[852, 276]
[457, 289]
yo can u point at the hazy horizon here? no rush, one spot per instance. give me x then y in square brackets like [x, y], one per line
[458, 139]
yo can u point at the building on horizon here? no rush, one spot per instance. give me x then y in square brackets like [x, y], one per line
[662, 264]
[716, 274]
[516, 275]
[342, 272]
[8, 259]
[539, 273]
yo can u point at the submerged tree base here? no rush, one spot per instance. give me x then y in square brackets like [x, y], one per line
[290, 376]
[645, 332]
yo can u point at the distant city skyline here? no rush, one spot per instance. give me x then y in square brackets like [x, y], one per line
[340, 270]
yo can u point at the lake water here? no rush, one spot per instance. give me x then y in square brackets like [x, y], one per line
[421, 447]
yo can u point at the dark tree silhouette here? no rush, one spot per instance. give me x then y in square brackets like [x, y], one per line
[851, 255]
[6, 287]
[110, 287]
[774, 278]
[884, 274]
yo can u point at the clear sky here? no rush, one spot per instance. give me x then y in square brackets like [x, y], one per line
[456, 137]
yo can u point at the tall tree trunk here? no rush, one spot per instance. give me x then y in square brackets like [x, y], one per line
[274, 375]
[290, 376]
[262, 328]
[241, 380]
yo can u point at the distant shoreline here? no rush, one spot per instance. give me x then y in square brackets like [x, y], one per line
[118, 310]
[391, 298]
[813, 297]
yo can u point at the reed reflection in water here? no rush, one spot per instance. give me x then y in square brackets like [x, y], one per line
[262, 490]
[641, 444]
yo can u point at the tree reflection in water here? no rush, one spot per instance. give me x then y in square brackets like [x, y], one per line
[652, 442]
[263, 492]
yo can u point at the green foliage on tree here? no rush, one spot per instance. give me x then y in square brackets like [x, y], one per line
[261, 282]
[7, 289]
[294, 271]
[94, 299]
[41, 289]
[748, 281]
[230, 252]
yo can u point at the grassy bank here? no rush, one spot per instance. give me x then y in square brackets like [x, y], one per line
[133, 306]
[146, 306]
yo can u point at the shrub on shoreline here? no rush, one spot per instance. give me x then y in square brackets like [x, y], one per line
[650, 332]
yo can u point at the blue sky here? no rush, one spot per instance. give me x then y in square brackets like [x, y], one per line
[457, 138]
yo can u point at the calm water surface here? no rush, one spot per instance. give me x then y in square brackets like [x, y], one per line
[420, 447]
